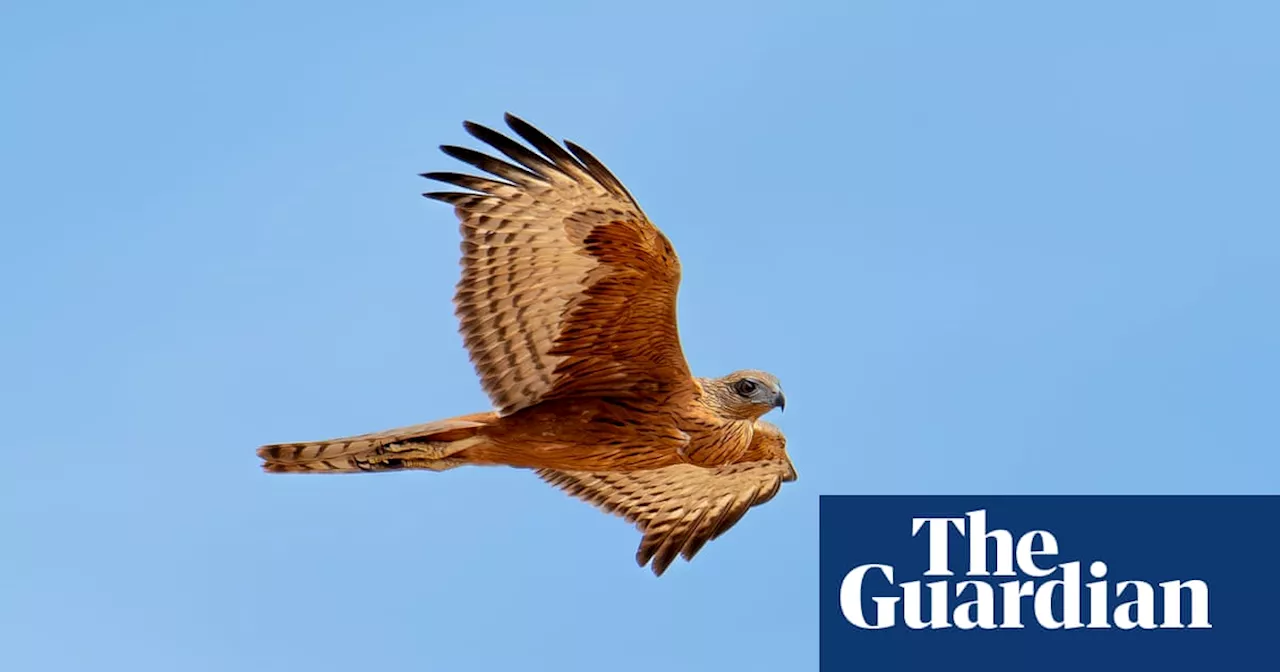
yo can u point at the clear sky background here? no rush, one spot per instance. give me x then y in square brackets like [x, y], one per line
[989, 247]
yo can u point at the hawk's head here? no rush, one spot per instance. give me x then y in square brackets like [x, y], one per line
[744, 395]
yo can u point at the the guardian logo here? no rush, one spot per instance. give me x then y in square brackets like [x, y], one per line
[1012, 583]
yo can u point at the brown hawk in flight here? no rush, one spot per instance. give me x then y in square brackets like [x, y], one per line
[567, 305]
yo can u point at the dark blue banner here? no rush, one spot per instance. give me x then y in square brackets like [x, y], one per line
[1049, 582]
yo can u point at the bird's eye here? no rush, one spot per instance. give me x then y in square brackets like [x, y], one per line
[745, 387]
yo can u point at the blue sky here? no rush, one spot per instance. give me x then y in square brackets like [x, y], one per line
[992, 247]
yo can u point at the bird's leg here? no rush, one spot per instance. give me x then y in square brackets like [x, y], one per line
[432, 455]
[430, 450]
[682, 447]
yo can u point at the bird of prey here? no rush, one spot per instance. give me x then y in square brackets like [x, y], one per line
[567, 305]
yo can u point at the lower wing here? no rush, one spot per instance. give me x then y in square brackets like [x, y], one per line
[678, 508]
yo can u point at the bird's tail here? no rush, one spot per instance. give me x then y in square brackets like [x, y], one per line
[435, 446]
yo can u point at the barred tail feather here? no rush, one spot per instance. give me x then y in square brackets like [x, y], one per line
[433, 446]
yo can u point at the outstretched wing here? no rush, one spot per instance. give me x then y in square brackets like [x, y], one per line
[680, 508]
[567, 289]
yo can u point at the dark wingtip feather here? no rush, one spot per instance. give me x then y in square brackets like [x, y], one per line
[655, 550]
[598, 170]
[645, 552]
[657, 567]
[456, 152]
[696, 542]
[455, 198]
[472, 182]
[491, 165]
[474, 127]
[664, 557]
[479, 131]
[513, 150]
[528, 131]
[543, 143]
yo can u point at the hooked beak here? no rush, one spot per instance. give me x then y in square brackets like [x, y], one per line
[780, 401]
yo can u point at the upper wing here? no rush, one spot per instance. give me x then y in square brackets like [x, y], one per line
[682, 507]
[567, 289]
